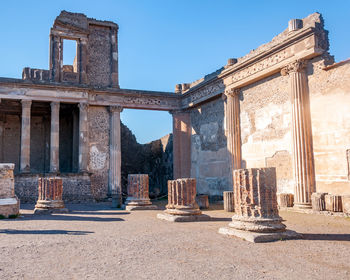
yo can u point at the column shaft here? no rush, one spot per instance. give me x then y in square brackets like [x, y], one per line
[25, 136]
[181, 144]
[233, 128]
[54, 137]
[114, 186]
[303, 161]
[83, 137]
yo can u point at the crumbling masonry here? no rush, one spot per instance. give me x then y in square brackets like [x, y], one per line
[274, 107]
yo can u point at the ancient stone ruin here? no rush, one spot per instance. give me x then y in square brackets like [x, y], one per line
[265, 109]
[256, 216]
[182, 205]
[50, 191]
[138, 193]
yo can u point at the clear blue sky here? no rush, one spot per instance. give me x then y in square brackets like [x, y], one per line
[163, 43]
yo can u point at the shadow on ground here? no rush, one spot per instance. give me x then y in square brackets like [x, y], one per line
[69, 232]
[327, 237]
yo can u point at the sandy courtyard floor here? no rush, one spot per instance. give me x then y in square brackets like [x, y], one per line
[95, 242]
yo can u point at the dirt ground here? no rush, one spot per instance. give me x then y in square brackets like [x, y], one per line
[95, 242]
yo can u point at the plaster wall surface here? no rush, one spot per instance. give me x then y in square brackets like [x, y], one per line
[330, 115]
[209, 156]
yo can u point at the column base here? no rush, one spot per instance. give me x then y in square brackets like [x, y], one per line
[302, 206]
[140, 207]
[259, 237]
[182, 218]
[116, 201]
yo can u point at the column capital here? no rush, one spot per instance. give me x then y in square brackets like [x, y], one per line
[83, 106]
[26, 103]
[232, 92]
[116, 108]
[294, 67]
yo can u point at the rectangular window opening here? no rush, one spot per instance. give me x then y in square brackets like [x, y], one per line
[70, 56]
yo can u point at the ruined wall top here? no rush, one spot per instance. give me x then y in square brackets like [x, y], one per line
[307, 34]
[96, 60]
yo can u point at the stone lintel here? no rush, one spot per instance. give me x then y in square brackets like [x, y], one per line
[259, 237]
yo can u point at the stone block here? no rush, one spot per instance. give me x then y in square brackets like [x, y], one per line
[9, 203]
[333, 203]
[285, 200]
[318, 201]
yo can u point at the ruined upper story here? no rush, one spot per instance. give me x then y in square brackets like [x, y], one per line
[96, 60]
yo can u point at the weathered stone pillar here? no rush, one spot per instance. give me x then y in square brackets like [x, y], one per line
[115, 187]
[318, 201]
[233, 128]
[333, 203]
[229, 203]
[9, 203]
[256, 216]
[138, 193]
[285, 200]
[25, 136]
[50, 190]
[54, 137]
[83, 137]
[182, 206]
[114, 63]
[55, 57]
[181, 144]
[304, 172]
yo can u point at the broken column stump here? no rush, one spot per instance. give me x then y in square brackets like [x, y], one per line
[346, 204]
[256, 216]
[229, 204]
[285, 200]
[333, 203]
[318, 201]
[50, 190]
[182, 206]
[138, 193]
[9, 203]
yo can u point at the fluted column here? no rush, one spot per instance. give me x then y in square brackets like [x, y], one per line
[304, 172]
[114, 186]
[83, 137]
[25, 136]
[181, 144]
[233, 128]
[55, 137]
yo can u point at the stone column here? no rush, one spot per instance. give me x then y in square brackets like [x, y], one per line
[55, 57]
[114, 186]
[138, 193]
[25, 136]
[50, 190]
[256, 216]
[83, 137]
[182, 206]
[303, 160]
[181, 144]
[54, 137]
[233, 128]
[229, 204]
